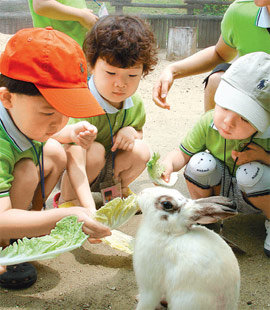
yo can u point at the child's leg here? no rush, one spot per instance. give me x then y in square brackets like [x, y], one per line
[54, 165]
[25, 182]
[203, 176]
[82, 168]
[197, 192]
[253, 180]
[129, 165]
[210, 90]
[211, 84]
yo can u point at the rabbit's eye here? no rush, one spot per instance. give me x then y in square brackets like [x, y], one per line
[167, 205]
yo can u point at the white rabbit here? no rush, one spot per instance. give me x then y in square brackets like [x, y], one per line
[188, 264]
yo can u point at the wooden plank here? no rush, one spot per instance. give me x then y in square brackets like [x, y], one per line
[182, 42]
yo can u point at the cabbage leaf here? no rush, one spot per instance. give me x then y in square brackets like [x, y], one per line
[155, 171]
[120, 241]
[117, 212]
[66, 236]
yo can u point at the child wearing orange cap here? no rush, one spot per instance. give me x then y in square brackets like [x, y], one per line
[120, 50]
[43, 82]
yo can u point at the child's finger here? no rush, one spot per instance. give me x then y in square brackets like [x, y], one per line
[166, 177]
[94, 241]
[87, 133]
[86, 126]
[116, 145]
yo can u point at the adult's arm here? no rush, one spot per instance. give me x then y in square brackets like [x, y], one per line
[56, 10]
[200, 62]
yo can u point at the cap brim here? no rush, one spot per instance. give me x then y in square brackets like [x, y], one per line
[233, 99]
[74, 102]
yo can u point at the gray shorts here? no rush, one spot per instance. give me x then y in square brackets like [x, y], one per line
[206, 171]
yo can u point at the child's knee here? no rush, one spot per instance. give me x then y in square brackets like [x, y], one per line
[253, 179]
[25, 171]
[55, 155]
[96, 155]
[203, 170]
[142, 151]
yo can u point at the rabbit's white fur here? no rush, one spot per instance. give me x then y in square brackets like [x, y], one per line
[188, 264]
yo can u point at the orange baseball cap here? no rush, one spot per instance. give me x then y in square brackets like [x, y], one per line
[56, 64]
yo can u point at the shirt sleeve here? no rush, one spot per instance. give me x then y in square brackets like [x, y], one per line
[6, 168]
[195, 140]
[136, 116]
[228, 26]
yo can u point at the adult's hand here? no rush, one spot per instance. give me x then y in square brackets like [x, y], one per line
[162, 87]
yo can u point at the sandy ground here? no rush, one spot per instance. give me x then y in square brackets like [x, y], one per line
[99, 278]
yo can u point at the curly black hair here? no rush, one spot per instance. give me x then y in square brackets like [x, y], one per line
[123, 41]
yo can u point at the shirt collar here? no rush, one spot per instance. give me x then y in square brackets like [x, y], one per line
[263, 18]
[106, 106]
[17, 138]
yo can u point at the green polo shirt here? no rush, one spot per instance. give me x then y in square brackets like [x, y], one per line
[14, 146]
[204, 135]
[72, 28]
[135, 117]
[239, 30]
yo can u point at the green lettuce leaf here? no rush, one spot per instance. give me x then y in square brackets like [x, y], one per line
[154, 168]
[155, 171]
[66, 236]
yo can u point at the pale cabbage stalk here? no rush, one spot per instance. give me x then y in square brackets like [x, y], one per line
[155, 171]
[120, 241]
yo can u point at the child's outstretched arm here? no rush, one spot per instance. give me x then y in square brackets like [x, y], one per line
[81, 133]
[174, 161]
[254, 152]
[16, 223]
[125, 137]
[56, 10]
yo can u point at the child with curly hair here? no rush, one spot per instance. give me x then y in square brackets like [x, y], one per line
[120, 50]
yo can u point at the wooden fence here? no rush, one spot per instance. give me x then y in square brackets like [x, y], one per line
[14, 15]
[208, 26]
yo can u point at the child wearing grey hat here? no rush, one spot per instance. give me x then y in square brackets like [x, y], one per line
[227, 152]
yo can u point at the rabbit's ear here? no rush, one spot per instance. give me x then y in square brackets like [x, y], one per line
[217, 200]
[213, 209]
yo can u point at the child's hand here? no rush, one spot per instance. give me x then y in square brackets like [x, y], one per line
[124, 139]
[166, 175]
[83, 134]
[91, 227]
[254, 152]
[2, 269]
